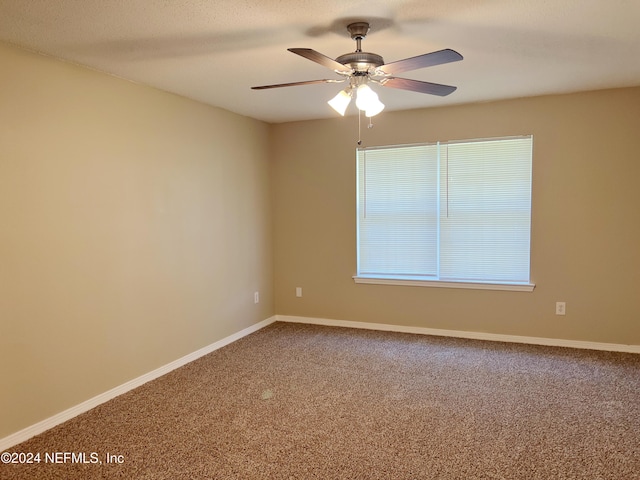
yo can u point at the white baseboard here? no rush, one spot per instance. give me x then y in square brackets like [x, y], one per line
[553, 342]
[33, 430]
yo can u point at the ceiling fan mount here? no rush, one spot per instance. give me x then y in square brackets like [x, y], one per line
[361, 68]
[358, 30]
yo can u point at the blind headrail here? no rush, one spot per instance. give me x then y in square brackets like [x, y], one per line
[445, 142]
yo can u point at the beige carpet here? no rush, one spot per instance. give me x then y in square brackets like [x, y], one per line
[299, 401]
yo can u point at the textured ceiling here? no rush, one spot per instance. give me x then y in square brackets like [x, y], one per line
[215, 50]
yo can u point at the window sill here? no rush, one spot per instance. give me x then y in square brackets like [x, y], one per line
[513, 287]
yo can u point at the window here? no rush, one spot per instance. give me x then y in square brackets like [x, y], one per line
[446, 214]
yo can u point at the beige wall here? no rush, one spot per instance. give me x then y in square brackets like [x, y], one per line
[585, 219]
[134, 228]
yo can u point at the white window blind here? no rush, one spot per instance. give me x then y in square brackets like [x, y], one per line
[450, 211]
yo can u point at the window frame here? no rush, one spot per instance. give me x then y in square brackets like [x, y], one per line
[420, 280]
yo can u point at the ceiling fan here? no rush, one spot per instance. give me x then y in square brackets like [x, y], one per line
[361, 68]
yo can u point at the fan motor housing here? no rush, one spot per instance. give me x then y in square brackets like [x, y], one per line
[361, 61]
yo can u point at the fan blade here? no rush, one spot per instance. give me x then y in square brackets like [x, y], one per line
[418, 86]
[421, 61]
[321, 59]
[293, 84]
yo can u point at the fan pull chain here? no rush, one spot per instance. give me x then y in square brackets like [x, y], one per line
[370, 125]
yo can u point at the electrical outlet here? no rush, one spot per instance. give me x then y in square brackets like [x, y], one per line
[298, 291]
[256, 297]
[561, 308]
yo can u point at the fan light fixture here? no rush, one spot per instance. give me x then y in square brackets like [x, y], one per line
[341, 101]
[366, 100]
